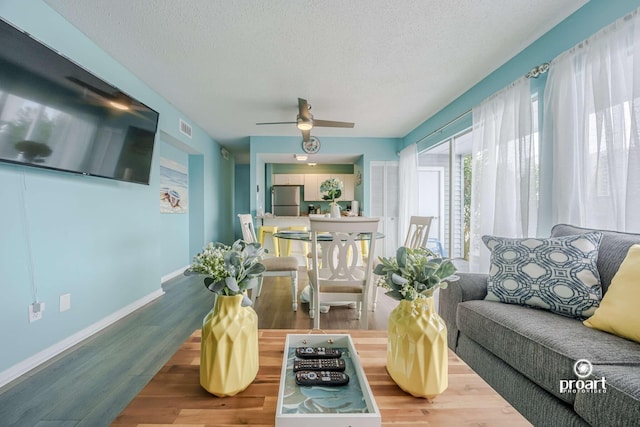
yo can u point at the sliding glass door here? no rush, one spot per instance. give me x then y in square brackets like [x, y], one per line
[444, 180]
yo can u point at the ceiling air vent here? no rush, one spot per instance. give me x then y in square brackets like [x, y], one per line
[185, 128]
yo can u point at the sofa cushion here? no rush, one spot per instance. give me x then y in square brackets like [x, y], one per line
[558, 274]
[539, 406]
[539, 344]
[620, 405]
[618, 312]
[613, 249]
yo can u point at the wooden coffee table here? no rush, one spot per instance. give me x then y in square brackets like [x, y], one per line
[174, 395]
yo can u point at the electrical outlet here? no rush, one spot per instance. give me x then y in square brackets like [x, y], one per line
[35, 311]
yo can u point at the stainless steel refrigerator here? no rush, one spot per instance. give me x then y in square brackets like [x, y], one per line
[286, 200]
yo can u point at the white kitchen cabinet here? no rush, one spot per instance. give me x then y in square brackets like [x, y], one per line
[288, 179]
[349, 187]
[311, 188]
[312, 183]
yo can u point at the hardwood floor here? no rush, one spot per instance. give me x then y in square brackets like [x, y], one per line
[90, 384]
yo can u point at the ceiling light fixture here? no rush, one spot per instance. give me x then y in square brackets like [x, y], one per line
[304, 124]
[311, 164]
[301, 157]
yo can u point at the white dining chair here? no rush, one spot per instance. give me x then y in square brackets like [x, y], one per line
[335, 274]
[417, 236]
[418, 232]
[286, 266]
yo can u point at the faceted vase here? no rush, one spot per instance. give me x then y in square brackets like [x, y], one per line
[417, 349]
[335, 210]
[229, 347]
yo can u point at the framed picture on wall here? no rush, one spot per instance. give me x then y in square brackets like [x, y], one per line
[174, 187]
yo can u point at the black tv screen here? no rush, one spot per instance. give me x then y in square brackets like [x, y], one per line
[54, 114]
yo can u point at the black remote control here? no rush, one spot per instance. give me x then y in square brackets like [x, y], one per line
[317, 353]
[318, 365]
[322, 378]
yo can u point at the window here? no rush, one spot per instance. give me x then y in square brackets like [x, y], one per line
[444, 188]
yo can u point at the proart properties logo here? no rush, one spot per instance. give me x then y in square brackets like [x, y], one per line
[583, 369]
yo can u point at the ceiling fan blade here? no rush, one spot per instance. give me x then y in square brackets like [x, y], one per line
[306, 135]
[332, 124]
[277, 123]
[303, 108]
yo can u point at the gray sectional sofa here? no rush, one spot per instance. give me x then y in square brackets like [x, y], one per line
[525, 353]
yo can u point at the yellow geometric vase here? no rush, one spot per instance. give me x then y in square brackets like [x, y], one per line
[417, 348]
[229, 348]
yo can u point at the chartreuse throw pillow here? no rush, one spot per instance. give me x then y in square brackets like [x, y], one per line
[557, 274]
[618, 312]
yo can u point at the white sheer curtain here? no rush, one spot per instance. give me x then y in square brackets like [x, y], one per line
[408, 185]
[591, 116]
[504, 164]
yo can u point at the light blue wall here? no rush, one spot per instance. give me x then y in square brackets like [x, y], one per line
[98, 239]
[586, 21]
[371, 149]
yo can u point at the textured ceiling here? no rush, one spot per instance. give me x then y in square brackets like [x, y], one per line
[385, 65]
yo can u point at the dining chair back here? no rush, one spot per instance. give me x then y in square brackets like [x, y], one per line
[246, 226]
[286, 266]
[418, 232]
[417, 237]
[335, 274]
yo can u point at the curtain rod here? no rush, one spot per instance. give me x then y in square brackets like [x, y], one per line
[535, 72]
[441, 128]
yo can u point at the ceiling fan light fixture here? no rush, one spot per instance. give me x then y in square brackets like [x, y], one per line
[304, 124]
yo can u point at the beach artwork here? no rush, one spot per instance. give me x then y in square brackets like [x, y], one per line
[174, 187]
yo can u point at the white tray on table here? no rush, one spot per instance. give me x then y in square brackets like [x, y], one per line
[352, 405]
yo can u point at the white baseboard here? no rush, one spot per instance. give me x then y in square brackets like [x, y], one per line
[37, 359]
[176, 273]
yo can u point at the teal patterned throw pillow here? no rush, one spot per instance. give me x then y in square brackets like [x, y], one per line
[557, 274]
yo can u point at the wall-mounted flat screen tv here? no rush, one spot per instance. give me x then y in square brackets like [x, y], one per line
[55, 114]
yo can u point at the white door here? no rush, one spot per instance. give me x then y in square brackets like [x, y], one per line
[384, 204]
[431, 199]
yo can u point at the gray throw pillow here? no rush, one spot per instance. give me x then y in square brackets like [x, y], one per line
[557, 274]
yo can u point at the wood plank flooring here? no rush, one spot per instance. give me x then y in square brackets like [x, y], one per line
[90, 384]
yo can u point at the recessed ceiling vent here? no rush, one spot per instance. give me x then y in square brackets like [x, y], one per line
[185, 128]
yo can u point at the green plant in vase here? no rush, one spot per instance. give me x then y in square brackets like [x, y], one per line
[229, 345]
[414, 274]
[333, 189]
[230, 270]
[417, 346]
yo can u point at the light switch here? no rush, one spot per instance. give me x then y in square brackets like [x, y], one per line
[65, 302]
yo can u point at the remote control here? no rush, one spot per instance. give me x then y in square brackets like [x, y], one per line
[321, 378]
[317, 353]
[318, 365]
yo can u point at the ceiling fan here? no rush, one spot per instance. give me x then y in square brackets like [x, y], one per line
[118, 100]
[305, 121]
